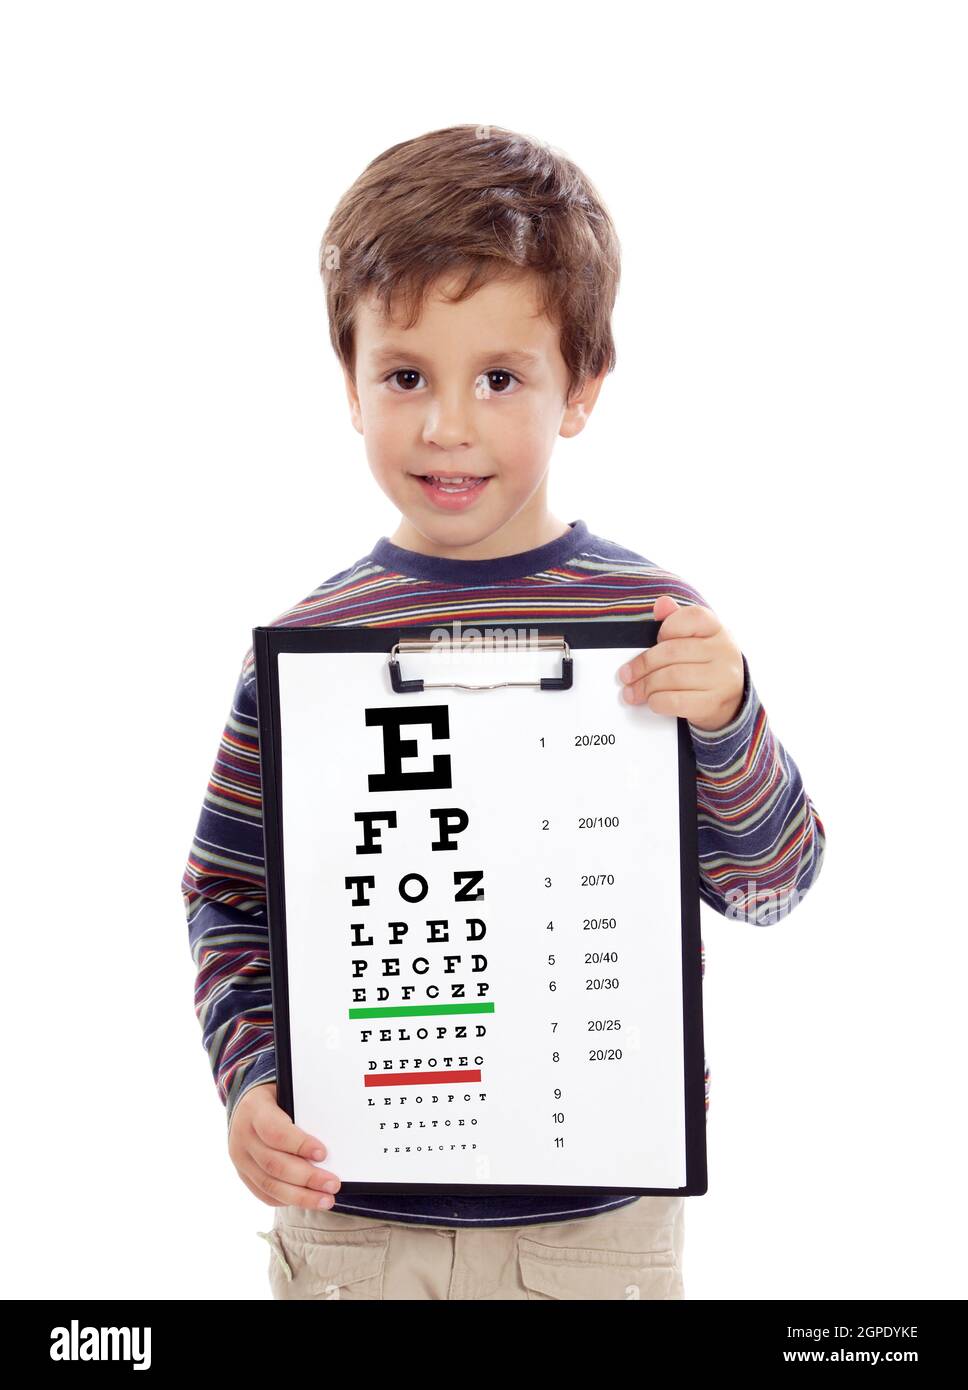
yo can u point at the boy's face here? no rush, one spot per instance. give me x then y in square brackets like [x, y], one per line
[475, 389]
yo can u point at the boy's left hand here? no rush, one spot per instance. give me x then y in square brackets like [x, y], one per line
[694, 671]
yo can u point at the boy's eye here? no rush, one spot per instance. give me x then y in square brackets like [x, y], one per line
[403, 372]
[484, 386]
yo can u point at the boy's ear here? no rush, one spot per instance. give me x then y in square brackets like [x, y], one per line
[356, 415]
[580, 404]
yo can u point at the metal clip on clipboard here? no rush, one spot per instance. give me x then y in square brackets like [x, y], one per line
[402, 687]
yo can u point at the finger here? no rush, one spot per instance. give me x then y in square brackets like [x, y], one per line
[679, 649]
[272, 1125]
[269, 1201]
[284, 1167]
[689, 620]
[663, 606]
[697, 677]
[694, 705]
[693, 675]
[285, 1193]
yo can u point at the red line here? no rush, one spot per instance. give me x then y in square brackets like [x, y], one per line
[418, 1078]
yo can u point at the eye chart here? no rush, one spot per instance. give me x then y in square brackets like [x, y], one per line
[482, 883]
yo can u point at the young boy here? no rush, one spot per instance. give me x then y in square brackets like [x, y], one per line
[507, 265]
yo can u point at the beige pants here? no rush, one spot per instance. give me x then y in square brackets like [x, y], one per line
[632, 1252]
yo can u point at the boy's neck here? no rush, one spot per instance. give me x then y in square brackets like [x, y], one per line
[521, 533]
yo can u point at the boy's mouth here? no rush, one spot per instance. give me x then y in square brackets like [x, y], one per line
[453, 490]
[453, 482]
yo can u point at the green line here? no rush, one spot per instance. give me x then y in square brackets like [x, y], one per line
[411, 1010]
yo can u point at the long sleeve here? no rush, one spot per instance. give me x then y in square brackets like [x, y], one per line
[761, 842]
[223, 888]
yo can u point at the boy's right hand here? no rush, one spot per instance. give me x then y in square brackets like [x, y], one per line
[272, 1155]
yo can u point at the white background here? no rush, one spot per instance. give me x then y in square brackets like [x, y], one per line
[785, 429]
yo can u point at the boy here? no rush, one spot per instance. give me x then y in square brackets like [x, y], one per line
[507, 265]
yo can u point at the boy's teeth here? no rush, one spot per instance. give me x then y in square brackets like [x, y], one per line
[452, 484]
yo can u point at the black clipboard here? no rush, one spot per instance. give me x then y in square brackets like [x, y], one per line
[268, 643]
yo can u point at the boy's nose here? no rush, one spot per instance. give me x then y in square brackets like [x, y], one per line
[448, 422]
[448, 432]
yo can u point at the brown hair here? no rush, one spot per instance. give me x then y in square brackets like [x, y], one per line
[483, 200]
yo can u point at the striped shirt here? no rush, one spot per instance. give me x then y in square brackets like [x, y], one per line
[758, 832]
